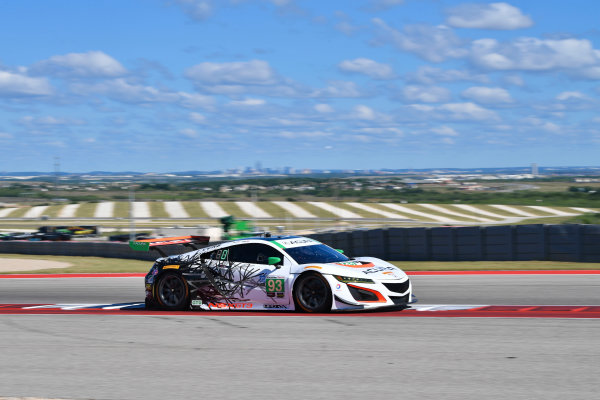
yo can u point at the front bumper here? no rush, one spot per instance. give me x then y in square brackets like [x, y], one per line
[355, 296]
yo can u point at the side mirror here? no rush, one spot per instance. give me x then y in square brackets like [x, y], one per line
[340, 250]
[274, 260]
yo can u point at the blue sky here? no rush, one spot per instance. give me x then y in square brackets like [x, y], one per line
[174, 85]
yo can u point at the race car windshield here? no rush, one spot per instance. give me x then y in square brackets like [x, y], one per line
[319, 253]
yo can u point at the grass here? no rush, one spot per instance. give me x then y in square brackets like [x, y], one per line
[194, 209]
[85, 264]
[157, 209]
[108, 265]
[86, 210]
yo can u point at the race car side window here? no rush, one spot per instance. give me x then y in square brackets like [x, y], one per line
[253, 253]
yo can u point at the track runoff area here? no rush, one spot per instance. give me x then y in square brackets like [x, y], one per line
[416, 310]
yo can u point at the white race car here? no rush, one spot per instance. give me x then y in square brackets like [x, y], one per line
[271, 273]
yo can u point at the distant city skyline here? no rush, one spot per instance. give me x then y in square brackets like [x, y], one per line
[176, 85]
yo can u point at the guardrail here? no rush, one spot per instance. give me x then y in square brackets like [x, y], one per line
[469, 243]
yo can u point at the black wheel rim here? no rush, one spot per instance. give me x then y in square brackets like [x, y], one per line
[171, 290]
[312, 292]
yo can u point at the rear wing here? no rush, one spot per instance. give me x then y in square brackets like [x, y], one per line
[155, 244]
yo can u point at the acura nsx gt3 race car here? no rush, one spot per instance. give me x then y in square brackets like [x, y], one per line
[270, 273]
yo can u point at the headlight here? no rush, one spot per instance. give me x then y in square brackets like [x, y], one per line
[348, 279]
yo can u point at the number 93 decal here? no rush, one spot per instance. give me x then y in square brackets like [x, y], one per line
[275, 285]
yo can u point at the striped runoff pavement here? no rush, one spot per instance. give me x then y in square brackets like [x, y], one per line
[68, 211]
[4, 212]
[213, 209]
[175, 209]
[141, 210]
[377, 211]
[104, 210]
[514, 210]
[444, 210]
[552, 211]
[296, 211]
[583, 210]
[476, 210]
[35, 212]
[252, 209]
[409, 211]
[340, 212]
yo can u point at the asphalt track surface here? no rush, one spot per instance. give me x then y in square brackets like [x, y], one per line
[299, 357]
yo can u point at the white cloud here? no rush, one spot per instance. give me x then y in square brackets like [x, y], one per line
[500, 16]
[514, 80]
[90, 64]
[364, 112]
[15, 84]
[487, 95]
[197, 118]
[248, 102]
[532, 54]
[367, 67]
[429, 75]
[254, 72]
[4, 135]
[426, 94]
[304, 134]
[323, 108]
[123, 91]
[444, 131]
[339, 89]
[571, 96]
[468, 111]
[49, 121]
[432, 43]
[542, 124]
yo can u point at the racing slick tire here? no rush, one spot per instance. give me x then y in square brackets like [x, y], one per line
[312, 293]
[172, 292]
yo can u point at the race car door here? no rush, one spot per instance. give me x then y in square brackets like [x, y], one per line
[259, 280]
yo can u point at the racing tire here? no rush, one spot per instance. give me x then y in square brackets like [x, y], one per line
[312, 293]
[172, 292]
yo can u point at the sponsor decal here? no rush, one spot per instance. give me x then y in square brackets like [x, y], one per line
[312, 267]
[230, 305]
[154, 271]
[350, 263]
[196, 302]
[270, 294]
[338, 286]
[172, 266]
[276, 306]
[299, 242]
[150, 279]
[279, 295]
[378, 269]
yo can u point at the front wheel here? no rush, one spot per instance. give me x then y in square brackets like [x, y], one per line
[172, 292]
[312, 293]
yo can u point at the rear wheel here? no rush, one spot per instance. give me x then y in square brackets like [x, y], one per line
[312, 293]
[172, 292]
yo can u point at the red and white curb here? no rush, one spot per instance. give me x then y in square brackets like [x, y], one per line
[423, 310]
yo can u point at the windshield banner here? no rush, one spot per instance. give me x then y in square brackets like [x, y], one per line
[297, 242]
